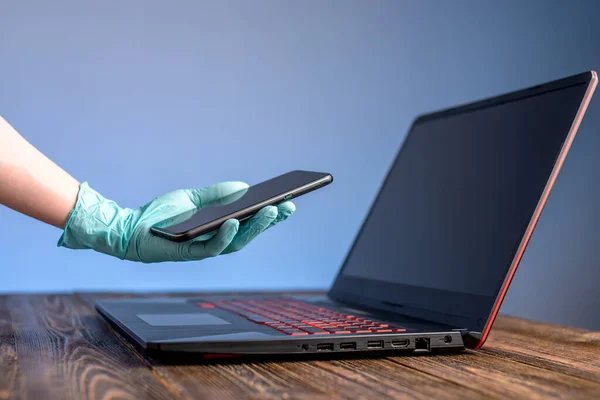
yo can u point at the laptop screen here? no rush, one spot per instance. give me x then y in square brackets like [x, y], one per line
[446, 225]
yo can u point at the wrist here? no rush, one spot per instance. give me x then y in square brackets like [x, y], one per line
[96, 223]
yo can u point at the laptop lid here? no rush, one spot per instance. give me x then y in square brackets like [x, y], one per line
[451, 221]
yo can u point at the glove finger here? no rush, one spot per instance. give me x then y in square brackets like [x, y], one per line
[153, 249]
[218, 194]
[252, 228]
[206, 236]
[198, 250]
[284, 211]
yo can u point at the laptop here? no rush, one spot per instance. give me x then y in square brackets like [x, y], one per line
[433, 259]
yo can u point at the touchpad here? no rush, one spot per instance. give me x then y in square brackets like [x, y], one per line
[182, 319]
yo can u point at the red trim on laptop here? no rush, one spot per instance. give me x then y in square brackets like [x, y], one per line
[541, 203]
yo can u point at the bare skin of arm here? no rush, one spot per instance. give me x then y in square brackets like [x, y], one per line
[32, 184]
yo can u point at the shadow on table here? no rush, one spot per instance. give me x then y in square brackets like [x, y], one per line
[201, 359]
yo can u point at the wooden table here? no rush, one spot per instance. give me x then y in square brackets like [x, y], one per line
[55, 346]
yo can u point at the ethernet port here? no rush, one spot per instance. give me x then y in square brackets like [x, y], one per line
[422, 344]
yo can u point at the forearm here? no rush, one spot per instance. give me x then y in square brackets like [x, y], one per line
[31, 183]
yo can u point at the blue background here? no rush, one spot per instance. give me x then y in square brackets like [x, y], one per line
[142, 97]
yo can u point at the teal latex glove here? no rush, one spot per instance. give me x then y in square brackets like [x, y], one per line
[100, 224]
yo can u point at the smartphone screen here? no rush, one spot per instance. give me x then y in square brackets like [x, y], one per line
[241, 205]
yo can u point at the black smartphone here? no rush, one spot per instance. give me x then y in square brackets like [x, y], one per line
[241, 205]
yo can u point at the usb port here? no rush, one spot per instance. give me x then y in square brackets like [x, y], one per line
[375, 344]
[325, 347]
[400, 343]
[348, 346]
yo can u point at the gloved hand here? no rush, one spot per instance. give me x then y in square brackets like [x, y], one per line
[100, 224]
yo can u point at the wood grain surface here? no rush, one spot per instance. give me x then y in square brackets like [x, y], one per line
[55, 347]
[60, 350]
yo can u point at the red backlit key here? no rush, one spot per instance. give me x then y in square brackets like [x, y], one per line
[205, 305]
[296, 318]
[311, 329]
[259, 319]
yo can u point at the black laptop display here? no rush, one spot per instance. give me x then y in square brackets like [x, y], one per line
[434, 257]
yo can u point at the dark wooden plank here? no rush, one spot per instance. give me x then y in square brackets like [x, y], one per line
[503, 377]
[10, 375]
[333, 379]
[64, 352]
[563, 349]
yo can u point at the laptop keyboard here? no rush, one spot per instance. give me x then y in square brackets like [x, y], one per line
[297, 318]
